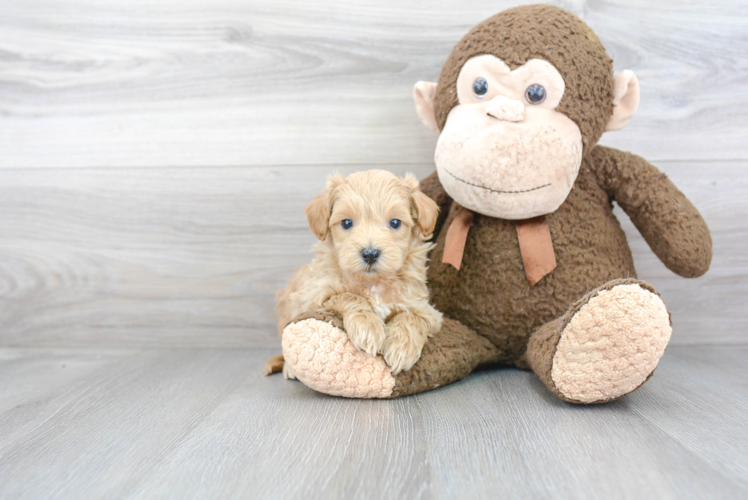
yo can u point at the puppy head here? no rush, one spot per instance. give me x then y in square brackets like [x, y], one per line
[373, 220]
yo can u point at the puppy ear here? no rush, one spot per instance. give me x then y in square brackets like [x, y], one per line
[318, 215]
[423, 209]
[319, 210]
[333, 182]
[426, 212]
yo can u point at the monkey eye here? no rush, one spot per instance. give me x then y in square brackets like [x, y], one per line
[347, 223]
[480, 87]
[535, 94]
[395, 223]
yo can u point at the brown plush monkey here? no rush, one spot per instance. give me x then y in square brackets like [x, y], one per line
[531, 267]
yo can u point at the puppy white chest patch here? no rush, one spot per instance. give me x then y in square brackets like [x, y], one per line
[382, 310]
[378, 294]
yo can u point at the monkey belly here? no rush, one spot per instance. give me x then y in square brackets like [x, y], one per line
[490, 293]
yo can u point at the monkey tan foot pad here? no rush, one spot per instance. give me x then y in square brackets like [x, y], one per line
[324, 359]
[320, 355]
[606, 346]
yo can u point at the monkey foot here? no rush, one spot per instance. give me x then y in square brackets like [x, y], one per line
[611, 344]
[606, 346]
[321, 356]
[317, 351]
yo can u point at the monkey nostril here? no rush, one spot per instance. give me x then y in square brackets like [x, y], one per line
[370, 255]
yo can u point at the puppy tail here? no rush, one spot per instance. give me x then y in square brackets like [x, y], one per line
[273, 365]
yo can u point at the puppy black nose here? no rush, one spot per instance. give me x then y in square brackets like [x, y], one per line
[370, 255]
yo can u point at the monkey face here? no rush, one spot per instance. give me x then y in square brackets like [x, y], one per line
[512, 141]
[504, 150]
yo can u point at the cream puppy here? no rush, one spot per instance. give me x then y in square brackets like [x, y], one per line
[370, 265]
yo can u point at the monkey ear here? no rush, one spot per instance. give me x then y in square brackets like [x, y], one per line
[625, 100]
[423, 95]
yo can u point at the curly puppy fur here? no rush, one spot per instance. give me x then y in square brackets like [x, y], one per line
[384, 302]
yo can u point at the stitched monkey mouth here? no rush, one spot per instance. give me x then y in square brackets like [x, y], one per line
[497, 191]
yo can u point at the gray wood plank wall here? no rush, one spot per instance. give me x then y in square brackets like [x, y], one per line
[155, 156]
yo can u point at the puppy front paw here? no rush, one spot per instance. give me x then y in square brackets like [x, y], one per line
[402, 347]
[366, 331]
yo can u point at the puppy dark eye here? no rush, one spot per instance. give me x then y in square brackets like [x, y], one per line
[347, 223]
[395, 223]
[480, 87]
[535, 94]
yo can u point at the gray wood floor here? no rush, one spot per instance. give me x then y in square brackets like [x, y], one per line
[204, 423]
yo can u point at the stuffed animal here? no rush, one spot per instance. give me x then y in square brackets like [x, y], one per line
[531, 268]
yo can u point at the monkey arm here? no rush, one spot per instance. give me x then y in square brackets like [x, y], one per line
[432, 188]
[668, 221]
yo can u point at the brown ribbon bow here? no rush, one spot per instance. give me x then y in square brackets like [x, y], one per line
[534, 237]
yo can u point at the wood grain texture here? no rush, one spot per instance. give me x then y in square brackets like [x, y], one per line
[193, 257]
[690, 382]
[89, 83]
[30, 373]
[110, 425]
[204, 423]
